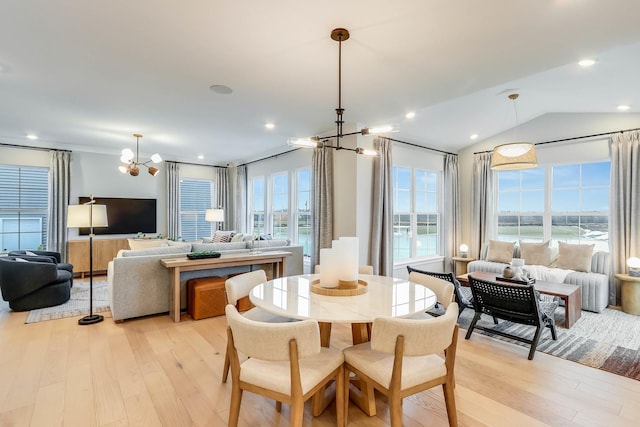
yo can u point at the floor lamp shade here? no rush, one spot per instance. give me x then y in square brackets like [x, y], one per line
[214, 215]
[87, 216]
[514, 156]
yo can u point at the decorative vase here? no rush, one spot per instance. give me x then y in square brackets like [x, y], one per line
[507, 273]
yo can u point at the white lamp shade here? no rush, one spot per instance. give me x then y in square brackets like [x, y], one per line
[464, 248]
[514, 156]
[81, 216]
[633, 262]
[156, 158]
[214, 215]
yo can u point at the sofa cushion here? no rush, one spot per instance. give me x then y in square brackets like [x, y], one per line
[135, 244]
[535, 253]
[197, 247]
[238, 237]
[270, 243]
[500, 251]
[575, 257]
[163, 250]
[222, 236]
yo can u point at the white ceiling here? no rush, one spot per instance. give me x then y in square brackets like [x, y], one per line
[86, 75]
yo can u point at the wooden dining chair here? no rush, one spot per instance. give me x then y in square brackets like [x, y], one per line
[238, 287]
[286, 363]
[404, 357]
[362, 269]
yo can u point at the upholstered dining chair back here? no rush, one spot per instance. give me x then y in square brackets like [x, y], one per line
[270, 341]
[239, 286]
[442, 288]
[362, 269]
[421, 336]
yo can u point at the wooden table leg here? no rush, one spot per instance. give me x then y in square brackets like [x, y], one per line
[359, 333]
[572, 308]
[174, 294]
[325, 334]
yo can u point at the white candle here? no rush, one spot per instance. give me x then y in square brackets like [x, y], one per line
[349, 259]
[328, 268]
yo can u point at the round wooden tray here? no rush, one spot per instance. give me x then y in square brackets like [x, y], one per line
[339, 291]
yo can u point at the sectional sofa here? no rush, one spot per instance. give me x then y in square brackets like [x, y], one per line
[139, 285]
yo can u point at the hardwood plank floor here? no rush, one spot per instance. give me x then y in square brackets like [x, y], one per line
[153, 372]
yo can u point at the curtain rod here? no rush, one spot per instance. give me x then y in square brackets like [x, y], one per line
[420, 146]
[30, 147]
[573, 138]
[195, 164]
[268, 157]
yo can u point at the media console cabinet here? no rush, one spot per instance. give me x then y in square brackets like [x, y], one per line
[104, 250]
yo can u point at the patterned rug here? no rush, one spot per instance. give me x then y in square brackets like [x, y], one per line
[609, 340]
[78, 304]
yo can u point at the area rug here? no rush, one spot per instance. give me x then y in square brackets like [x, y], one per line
[78, 304]
[609, 340]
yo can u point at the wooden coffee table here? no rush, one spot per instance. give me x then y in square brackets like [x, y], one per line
[570, 294]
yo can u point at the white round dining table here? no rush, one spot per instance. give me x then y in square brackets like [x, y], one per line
[386, 296]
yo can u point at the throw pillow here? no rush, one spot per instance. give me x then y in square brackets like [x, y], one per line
[21, 260]
[222, 236]
[574, 257]
[535, 253]
[135, 244]
[30, 253]
[238, 237]
[500, 251]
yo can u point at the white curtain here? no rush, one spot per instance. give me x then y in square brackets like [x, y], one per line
[322, 201]
[451, 207]
[173, 199]
[223, 196]
[241, 200]
[59, 185]
[482, 205]
[624, 204]
[381, 243]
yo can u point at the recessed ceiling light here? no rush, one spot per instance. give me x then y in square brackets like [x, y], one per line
[200, 157]
[221, 89]
[269, 125]
[32, 136]
[623, 107]
[474, 136]
[410, 115]
[587, 62]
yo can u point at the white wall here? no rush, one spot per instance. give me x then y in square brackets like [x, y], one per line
[24, 157]
[548, 127]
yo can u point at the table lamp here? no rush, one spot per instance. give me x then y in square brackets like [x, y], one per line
[634, 266]
[464, 250]
[215, 215]
[88, 215]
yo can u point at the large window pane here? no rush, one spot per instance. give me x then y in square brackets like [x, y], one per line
[195, 199]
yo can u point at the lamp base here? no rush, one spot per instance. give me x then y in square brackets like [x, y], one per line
[90, 320]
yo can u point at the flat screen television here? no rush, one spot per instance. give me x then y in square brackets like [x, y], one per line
[125, 216]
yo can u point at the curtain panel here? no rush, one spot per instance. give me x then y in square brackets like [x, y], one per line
[59, 189]
[624, 204]
[451, 228]
[241, 200]
[322, 201]
[223, 196]
[173, 199]
[482, 202]
[381, 243]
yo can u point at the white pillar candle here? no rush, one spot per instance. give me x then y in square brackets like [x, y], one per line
[349, 259]
[328, 268]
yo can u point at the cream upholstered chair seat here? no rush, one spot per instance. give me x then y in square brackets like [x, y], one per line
[238, 287]
[442, 288]
[404, 357]
[286, 363]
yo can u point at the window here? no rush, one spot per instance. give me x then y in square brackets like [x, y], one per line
[280, 205]
[569, 203]
[303, 210]
[416, 216]
[23, 207]
[195, 199]
[258, 205]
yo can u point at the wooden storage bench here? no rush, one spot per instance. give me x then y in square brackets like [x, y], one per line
[206, 297]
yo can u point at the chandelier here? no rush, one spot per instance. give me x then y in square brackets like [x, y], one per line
[131, 166]
[339, 35]
[515, 155]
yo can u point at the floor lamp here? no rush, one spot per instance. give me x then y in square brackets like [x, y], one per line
[88, 215]
[215, 215]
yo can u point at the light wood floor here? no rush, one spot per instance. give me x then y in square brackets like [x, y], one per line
[153, 372]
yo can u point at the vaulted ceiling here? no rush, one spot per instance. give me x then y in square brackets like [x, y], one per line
[86, 75]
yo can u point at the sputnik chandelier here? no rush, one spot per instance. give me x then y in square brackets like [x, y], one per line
[131, 166]
[339, 35]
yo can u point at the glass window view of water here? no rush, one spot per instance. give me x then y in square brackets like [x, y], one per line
[575, 210]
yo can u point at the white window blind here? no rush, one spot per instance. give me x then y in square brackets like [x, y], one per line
[195, 199]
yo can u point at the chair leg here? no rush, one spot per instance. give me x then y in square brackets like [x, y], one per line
[534, 342]
[495, 321]
[473, 324]
[340, 398]
[278, 406]
[450, 403]
[297, 412]
[395, 410]
[234, 408]
[345, 400]
[552, 326]
[225, 369]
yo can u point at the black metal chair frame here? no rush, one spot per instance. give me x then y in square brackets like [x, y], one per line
[512, 302]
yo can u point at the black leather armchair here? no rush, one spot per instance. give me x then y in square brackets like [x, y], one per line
[32, 284]
[56, 257]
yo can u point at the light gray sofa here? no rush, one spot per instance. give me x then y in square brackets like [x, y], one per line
[139, 284]
[594, 285]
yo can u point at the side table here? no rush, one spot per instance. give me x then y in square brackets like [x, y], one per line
[630, 293]
[460, 265]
